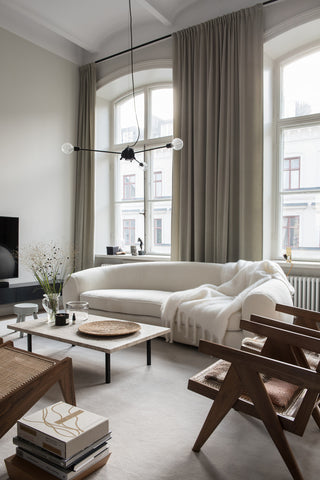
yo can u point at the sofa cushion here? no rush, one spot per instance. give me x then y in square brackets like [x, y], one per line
[136, 302]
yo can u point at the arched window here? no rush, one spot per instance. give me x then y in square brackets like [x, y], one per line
[293, 133]
[139, 203]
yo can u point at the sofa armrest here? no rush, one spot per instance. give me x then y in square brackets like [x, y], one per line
[78, 282]
[262, 301]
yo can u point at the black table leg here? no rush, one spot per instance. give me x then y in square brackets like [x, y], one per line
[148, 352]
[29, 341]
[108, 372]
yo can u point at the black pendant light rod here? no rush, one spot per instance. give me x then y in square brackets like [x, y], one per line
[267, 2]
[133, 48]
[169, 145]
[77, 149]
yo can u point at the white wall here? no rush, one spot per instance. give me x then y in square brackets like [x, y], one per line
[38, 111]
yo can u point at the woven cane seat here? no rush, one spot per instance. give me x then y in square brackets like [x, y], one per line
[17, 368]
[213, 376]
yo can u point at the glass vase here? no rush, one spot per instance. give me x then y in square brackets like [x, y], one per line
[50, 303]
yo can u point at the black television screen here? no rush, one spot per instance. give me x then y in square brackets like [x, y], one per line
[9, 242]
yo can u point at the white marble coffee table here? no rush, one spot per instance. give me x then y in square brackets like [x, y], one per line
[69, 334]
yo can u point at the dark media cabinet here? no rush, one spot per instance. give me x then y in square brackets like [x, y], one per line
[20, 292]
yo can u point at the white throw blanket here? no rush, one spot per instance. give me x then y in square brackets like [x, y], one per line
[216, 304]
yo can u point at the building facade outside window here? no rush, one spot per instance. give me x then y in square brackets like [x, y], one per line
[158, 231]
[144, 195]
[291, 173]
[298, 158]
[129, 187]
[129, 231]
[157, 184]
[290, 232]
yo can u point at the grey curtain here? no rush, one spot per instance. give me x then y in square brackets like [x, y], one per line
[85, 179]
[218, 108]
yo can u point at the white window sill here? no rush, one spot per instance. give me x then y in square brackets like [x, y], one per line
[300, 268]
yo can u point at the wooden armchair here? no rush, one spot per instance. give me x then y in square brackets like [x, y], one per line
[279, 392]
[25, 377]
[306, 322]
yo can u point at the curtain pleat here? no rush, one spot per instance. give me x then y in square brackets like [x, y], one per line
[218, 112]
[85, 172]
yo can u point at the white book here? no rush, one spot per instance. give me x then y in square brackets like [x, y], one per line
[63, 429]
[59, 472]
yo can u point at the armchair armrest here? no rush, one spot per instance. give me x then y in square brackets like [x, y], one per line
[263, 299]
[303, 317]
[281, 335]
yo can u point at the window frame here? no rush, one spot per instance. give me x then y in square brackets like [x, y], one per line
[147, 142]
[280, 125]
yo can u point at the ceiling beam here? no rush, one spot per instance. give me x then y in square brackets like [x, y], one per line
[151, 9]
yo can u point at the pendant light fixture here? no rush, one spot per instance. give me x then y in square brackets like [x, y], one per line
[128, 153]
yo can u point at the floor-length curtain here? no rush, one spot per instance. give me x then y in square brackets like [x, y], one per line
[217, 177]
[85, 177]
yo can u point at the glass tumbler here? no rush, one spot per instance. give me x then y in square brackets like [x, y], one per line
[78, 311]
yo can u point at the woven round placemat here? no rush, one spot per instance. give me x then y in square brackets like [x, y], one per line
[109, 328]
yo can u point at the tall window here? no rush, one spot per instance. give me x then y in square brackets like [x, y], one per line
[298, 130]
[144, 195]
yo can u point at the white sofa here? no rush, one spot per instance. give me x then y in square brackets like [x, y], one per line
[142, 291]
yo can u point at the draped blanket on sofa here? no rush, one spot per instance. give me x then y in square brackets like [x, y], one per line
[216, 304]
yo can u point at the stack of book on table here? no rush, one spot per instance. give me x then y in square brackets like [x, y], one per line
[62, 440]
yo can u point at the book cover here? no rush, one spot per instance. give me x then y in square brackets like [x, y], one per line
[59, 472]
[59, 461]
[63, 429]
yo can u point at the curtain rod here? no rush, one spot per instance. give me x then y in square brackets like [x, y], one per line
[266, 2]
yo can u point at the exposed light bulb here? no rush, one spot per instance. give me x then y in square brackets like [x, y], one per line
[177, 144]
[67, 148]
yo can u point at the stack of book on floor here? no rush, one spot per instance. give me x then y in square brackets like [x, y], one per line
[61, 441]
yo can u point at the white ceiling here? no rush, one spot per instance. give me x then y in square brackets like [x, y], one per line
[86, 30]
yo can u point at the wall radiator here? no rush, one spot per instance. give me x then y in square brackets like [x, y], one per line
[307, 292]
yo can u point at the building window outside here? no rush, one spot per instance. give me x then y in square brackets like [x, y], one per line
[291, 173]
[129, 231]
[298, 130]
[144, 195]
[290, 232]
[157, 176]
[157, 231]
[129, 187]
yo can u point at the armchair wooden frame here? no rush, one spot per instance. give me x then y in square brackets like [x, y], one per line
[25, 378]
[303, 317]
[244, 390]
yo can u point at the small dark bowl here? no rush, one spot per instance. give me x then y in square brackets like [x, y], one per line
[61, 319]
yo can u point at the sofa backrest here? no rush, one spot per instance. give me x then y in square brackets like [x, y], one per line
[167, 276]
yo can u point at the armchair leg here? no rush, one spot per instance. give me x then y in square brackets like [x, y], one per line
[263, 405]
[228, 395]
[316, 415]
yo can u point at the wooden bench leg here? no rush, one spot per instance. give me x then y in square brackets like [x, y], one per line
[66, 382]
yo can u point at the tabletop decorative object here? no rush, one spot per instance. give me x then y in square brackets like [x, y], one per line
[51, 267]
[109, 328]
